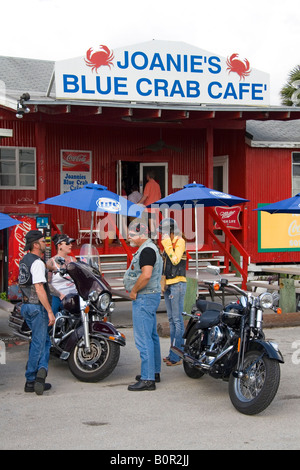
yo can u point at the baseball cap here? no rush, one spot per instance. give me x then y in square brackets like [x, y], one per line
[62, 237]
[168, 225]
[32, 236]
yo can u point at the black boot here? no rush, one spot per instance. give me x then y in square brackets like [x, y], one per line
[157, 377]
[142, 385]
[39, 385]
[29, 387]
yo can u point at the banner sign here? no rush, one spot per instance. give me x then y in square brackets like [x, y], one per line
[161, 72]
[229, 217]
[75, 169]
[278, 232]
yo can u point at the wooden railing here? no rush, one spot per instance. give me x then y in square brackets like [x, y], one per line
[225, 247]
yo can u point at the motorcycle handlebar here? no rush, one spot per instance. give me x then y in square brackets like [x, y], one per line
[226, 285]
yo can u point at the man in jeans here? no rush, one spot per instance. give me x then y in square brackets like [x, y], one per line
[36, 310]
[142, 281]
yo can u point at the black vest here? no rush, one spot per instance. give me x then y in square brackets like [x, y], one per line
[25, 280]
[170, 270]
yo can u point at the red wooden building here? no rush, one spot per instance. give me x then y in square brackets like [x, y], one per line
[218, 143]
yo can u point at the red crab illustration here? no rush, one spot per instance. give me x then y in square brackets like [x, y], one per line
[237, 66]
[99, 58]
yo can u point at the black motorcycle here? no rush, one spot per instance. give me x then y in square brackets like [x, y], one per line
[81, 334]
[228, 342]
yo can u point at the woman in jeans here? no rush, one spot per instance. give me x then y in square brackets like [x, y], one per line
[175, 270]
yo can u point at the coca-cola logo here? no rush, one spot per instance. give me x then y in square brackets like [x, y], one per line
[19, 238]
[75, 158]
[294, 229]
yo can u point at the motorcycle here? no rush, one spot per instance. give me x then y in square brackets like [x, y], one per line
[228, 342]
[82, 334]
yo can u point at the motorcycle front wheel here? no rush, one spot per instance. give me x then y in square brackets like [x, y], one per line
[253, 393]
[96, 364]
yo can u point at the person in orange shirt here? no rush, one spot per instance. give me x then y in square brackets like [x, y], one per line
[152, 193]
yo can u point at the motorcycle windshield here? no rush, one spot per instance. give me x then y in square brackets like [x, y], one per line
[86, 275]
[89, 255]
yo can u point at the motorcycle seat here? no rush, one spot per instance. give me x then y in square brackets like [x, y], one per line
[209, 318]
[204, 305]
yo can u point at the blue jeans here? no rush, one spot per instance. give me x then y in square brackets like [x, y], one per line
[56, 305]
[39, 349]
[174, 299]
[145, 333]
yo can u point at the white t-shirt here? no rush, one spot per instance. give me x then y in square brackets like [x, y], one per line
[63, 284]
[38, 272]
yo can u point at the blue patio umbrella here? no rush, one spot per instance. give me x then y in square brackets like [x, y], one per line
[94, 197]
[197, 194]
[7, 221]
[286, 206]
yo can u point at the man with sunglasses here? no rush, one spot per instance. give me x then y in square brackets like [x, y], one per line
[60, 285]
[36, 310]
[142, 281]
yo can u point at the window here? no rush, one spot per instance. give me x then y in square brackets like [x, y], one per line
[17, 168]
[295, 173]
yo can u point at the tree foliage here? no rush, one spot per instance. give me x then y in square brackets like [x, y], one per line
[288, 89]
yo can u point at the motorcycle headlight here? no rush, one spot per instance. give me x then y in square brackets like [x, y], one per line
[266, 300]
[103, 301]
[93, 296]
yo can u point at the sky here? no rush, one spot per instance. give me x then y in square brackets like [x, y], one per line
[265, 32]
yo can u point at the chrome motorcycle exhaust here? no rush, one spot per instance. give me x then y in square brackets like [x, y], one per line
[198, 362]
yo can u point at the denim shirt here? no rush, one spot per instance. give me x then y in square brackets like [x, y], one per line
[134, 271]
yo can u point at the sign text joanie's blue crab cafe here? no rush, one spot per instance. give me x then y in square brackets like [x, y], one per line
[161, 71]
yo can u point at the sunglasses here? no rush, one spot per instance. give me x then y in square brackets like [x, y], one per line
[133, 234]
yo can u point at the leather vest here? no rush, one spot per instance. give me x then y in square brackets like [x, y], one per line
[25, 280]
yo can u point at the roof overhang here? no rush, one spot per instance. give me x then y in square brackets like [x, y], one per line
[156, 112]
[272, 144]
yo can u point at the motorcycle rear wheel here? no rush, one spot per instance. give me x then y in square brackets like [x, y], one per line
[254, 392]
[193, 348]
[97, 364]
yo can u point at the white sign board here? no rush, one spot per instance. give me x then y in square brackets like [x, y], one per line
[161, 72]
[75, 169]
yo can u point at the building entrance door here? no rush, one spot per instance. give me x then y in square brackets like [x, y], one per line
[130, 173]
[160, 175]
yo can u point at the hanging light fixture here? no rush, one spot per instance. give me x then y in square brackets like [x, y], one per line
[21, 106]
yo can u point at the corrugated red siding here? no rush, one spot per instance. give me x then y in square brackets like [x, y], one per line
[261, 175]
[108, 145]
[268, 180]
